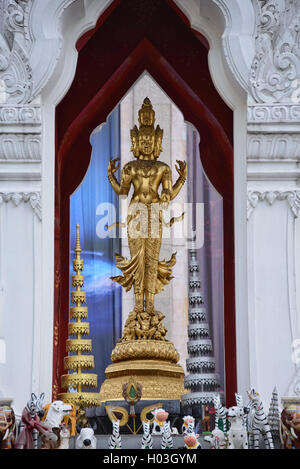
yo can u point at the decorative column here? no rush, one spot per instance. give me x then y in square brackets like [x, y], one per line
[201, 380]
[274, 199]
[78, 360]
[274, 417]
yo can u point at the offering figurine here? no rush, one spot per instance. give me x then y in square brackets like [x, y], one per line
[188, 425]
[237, 434]
[160, 416]
[118, 417]
[86, 439]
[65, 435]
[158, 422]
[290, 423]
[217, 439]
[30, 425]
[258, 423]
[147, 440]
[191, 441]
[7, 427]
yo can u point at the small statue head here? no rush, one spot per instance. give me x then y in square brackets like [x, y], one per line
[146, 141]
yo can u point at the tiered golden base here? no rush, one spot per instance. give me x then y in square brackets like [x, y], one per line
[86, 399]
[149, 362]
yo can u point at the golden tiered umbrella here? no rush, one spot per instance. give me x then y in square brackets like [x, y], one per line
[76, 379]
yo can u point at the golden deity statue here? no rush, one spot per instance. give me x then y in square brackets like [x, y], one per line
[144, 336]
[144, 271]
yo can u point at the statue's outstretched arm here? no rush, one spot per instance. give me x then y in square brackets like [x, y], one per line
[182, 171]
[124, 186]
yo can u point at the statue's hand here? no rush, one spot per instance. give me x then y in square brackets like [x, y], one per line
[113, 166]
[181, 168]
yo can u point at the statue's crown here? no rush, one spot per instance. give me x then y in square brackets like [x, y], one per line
[146, 114]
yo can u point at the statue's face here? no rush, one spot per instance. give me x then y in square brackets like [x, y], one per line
[146, 143]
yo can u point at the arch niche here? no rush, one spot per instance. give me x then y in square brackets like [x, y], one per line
[130, 37]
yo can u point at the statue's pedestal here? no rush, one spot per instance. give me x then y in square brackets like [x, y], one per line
[151, 363]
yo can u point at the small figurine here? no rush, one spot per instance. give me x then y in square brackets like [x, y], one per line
[258, 422]
[274, 417]
[290, 423]
[217, 439]
[147, 441]
[220, 414]
[82, 420]
[118, 417]
[86, 439]
[55, 412]
[30, 425]
[191, 441]
[188, 425]
[167, 440]
[206, 420]
[115, 441]
[7, 427]
[69, 420]
[160, 419]
[157, 422]
[64, 437]
[51, 440]
[237, 434]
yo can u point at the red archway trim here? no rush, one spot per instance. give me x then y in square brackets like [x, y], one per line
[72, 161]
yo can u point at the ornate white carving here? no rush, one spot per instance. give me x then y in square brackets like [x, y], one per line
[33, 198]
[276, 64]
[20, 115]
[20, 134]
[273, 146]
[237, 44]
[255, 196]
[278, 113]
[20, 147]
[15, 69]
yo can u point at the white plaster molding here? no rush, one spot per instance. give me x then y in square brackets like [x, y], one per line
[268, 146]
[25, 115]
[15, 68]
[273, 113]
[234, 22]
[238, 37]
[20, 147]
[20, 144]
[276, 64]
[32, 40]
[56, 33]
[33, 198]
[292, 197]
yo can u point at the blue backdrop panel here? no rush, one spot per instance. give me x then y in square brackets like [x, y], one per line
[104, 297]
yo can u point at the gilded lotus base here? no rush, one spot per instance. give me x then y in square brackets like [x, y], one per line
[144, 350]
[153, 363]
[161, 380]
[86, 399]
